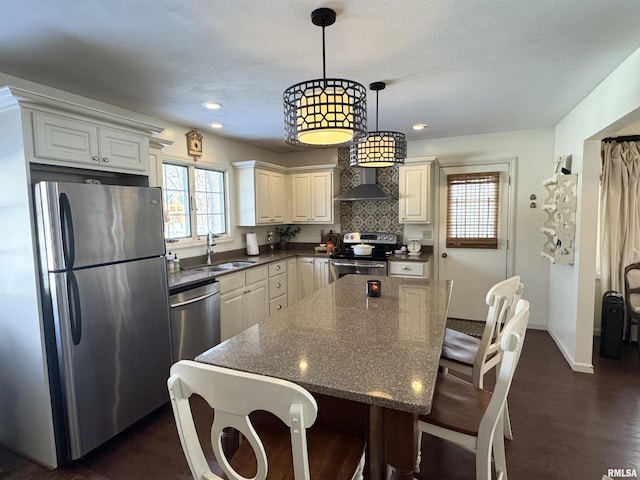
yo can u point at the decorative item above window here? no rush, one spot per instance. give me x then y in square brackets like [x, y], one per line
[326, 111]
[379, 148]
[194, 144]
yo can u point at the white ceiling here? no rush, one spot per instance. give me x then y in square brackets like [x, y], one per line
[461, 66]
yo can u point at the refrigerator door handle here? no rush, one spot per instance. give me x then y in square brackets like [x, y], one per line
[66, 222]
[75, 312]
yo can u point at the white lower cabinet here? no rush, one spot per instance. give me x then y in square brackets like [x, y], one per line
[313, 274]
[306, 277]
[321, 272]
[244, 300]
[277, 286]
[292, 280]
[398, 268]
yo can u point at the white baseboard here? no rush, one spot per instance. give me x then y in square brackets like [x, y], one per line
[575, 366]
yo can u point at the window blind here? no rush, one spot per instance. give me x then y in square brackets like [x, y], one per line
[473, 200]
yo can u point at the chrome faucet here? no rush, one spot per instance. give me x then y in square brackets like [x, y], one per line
[211, 242]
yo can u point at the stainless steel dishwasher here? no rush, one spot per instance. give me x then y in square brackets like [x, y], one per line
[195, 319]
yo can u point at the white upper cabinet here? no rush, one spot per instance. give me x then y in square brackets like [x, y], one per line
[69, 141]
[261, 191]
[312, 197]
[414, 203]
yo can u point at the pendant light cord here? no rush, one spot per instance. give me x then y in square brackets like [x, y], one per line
[324, 60]
[377, 130]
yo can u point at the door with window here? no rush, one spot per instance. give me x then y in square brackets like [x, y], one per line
[473, 234]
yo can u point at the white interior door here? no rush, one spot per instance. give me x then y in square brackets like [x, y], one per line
[473, 270]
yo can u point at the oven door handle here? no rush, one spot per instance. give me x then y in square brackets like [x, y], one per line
[358, 264]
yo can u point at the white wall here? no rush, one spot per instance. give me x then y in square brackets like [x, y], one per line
[533, 150]
[612, 105]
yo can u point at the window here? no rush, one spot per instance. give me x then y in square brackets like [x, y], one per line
[472, 210]
[193, 200]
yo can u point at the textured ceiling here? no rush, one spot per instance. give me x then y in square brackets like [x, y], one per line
[461, 66]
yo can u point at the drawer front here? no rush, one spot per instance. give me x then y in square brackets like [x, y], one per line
[257, 274]
[277, 268]
[231, 282]
[409, 269]
[277, 304]
[277, 285]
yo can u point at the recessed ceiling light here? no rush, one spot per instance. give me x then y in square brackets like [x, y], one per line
[420, 126]
[217, 125]
[212, 105]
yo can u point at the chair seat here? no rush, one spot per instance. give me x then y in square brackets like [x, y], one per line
[457, 405]
[332, 454]
[459, 347]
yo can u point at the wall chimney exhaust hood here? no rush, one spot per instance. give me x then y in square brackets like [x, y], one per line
[367, 190]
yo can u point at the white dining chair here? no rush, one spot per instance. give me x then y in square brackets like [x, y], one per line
[282, 449]
[475, 357]
[472, 417]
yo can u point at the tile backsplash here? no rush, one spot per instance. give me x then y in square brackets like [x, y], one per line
[371, 216]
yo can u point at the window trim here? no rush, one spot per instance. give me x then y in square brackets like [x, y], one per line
[196, 239]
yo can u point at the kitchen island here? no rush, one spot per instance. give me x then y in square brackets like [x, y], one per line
[379, 353]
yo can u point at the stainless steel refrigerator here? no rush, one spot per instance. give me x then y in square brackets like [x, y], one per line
[105, 304]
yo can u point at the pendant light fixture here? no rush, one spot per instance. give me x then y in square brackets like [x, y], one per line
[326, 111]
[379, 148]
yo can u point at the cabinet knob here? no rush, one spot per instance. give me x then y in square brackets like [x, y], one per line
[278, 285]
[105, 159]
[279, 307]
[95, 158]
[277, 267]
[406, 267]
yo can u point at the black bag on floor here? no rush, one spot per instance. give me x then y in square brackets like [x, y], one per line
[612, 325]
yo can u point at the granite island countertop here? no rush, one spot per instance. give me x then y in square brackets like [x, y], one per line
[381, 351]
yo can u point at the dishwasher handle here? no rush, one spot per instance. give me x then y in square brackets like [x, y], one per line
[193, 300]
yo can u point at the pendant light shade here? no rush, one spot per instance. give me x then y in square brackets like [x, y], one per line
[326, 111]
[379, 148]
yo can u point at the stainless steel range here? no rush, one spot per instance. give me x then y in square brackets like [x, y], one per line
[369, 257]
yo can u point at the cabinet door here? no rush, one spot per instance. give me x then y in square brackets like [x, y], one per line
[65, 139]
[123, 150]
[306, 277]
[415, 196]
[256, 303]
[292, 280]
[232, 313]
[321, 272]
[300, 197]
[276, 197]
[321, 197]
[263, 214]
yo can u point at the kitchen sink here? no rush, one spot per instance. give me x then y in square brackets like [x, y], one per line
[236, 264]
[223, 267]
[211, 268]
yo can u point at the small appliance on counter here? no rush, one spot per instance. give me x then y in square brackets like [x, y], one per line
[414, 247]
[252, 244]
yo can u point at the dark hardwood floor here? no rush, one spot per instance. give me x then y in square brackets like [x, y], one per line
[566, 426]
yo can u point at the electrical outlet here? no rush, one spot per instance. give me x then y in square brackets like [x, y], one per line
[427, 234]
